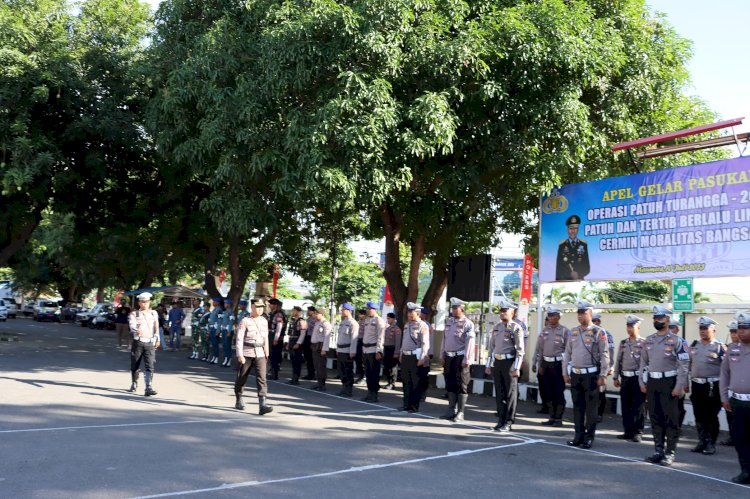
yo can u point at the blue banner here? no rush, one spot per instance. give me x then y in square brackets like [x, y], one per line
[692, 221]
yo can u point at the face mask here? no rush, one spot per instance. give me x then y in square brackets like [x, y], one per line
[659, 325]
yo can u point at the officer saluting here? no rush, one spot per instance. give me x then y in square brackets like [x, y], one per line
[627, 367]
[586, 360]
[572, 254]
[456, 355]
[706, 355]
[144, 326]
[664, 371]
[346, 349]
[548, 365]
[251, 346]
[735, 394]
[414, 355]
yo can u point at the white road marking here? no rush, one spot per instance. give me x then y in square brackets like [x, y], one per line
[125, 425]
[229, 486]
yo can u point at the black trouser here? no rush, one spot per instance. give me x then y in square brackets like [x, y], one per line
[663, 413]
[321, 361]
[297, 359]
[424, 379]
[741, 431]
[706, 406]
[389, 364]
[359, 360]
[552, 382]
[308, 354]
[506, 389]
[145, 352]
[410, 377]
[585, 393]
[243, 371]
[633, 406]
[457, 376]
[681, 410]
[346, 370]
[275, 357]
[602, 402]
[372, 372]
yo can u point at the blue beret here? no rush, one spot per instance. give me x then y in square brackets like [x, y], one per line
[216, 299]
[228, 301]
[425, 311]
[348, 306]
[370, 304]
[243, 302]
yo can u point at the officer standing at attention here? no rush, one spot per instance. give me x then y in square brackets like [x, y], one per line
[346, 349]
[674, 328]
[572, 254]
[321, 333]
[664, 368]
[144, 326]
[251, 345]
[297, 332]
[733, 338]
[414, 353]
[307, 344]
[227, 331]
[195, 330]
[391, 348]
[597, 320]
[735, 394]
[547, 363]
[706, 355]
[359, 363]
[373, 339]
[424, 369]
[456, 355]
[214, 328]
[586, 360]
[504, 363]
[277, 322]
[627, 368]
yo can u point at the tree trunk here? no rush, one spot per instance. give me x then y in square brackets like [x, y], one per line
[18, 242]
[437, 285]
[236, 270]
[209, 265]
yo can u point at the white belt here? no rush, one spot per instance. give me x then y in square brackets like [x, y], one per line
[147, 340]
[553, 359]
[585, 370]
[703, 381]
[409, 352]
[455, 354]
[629, 374]
[666, 374]
[745, 397]
[504, 356]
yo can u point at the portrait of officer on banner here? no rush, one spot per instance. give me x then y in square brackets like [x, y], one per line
[572, 254]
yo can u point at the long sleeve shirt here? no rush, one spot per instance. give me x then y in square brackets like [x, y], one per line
[665, 353]
[586, 348]
[228, 320]
[459, 336]
[506, 339]
[735, 371]
[213, 318]
[252, 337]
[176, 316]
[144, 324]
[347, 337]
[373, 335]
[416, 338]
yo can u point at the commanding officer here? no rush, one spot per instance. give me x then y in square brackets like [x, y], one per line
[456, 355]
[252, 350]
[572, 254]
[277, 322]
[733, 338]
[214, 328]
[664, 368]
[627, 367]
[586, 360]
[346, 349]
[359, 364]
[391, 347]
[506, 354]
[735, 394]
[597, 320]
[320, 334]
[373, 338]
[414, 354]
[424, 369]
[144, 326]
[228, 322]
[547, 363]
[706, 355]
[297, 330]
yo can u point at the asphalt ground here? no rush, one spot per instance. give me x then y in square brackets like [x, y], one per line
[70, 428]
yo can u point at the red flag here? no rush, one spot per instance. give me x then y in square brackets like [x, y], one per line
[526, 275]
[387, 298]
[222, 276]
[117, 296]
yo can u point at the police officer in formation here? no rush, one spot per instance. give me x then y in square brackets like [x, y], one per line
[214, 329]
[734, 386]
[307, 352]
[297, 333]
[277, 323]
[391, 346]
[586, 360]
[424, 369]
[706, 355]
[504, 363]
[359, 362]
[346, 349]
[456, 355]
[664, 373]
[413, 355]
[251, 346]
[733, 338]
[626, 374]
[196, 330]
[597, 320]
[144, 326]
[674, 328]
[320, 334]
[547, 363]
[373, 340]
[228, 321]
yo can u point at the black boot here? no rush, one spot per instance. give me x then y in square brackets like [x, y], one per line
[710, 448]
[451, 411]
[374, 397]
[701, 438]
[134, 385]
[368, 398]
[149, 389]
[239, 404]
[460, 405]
[262, 407]
[275, 374]
[543, 410]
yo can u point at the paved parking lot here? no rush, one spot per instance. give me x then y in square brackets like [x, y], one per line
[69, 428]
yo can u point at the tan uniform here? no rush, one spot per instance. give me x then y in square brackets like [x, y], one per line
[252, 344]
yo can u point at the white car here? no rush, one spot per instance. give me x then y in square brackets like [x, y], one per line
[12, 308]
[47, 310]
[83, 318]
[3, 311]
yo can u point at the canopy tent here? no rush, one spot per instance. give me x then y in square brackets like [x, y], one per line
[172, 291]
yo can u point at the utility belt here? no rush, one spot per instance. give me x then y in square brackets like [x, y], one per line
[369, 345]
[585, 370]
[744, 397]
[344, 346]
[557, 358]
[703, 381]
[629, 374]
[665, 374]
[253, 345]
[147, 340]
[409, 352]
[505, 356]
[455, 354]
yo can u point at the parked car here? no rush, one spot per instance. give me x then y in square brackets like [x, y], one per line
[83, 318]
[103, 320]
[28, 308]
[69, 311]
[12, 308]
[47, 310]
[3, 311]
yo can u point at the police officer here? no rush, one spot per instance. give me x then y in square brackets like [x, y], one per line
[251, 346]
[195, 330]
[706, 355]
[572, 254]
[586, 363]
[359, 364]
[297, 333]
[735, 394]
[674, 328]
[456, 355]
[144, 326]
[277, 323]
[733, 338]
[664, 373]
[424, 369]
[627, 368]
[547, 363]
[320, 335]
[504, 363]
[373, 338]
[597, 320]
[413, 354]
[391, 348]
[214, 329]
[346, 349]
[227, 331]
[242, 312]
[307, 345]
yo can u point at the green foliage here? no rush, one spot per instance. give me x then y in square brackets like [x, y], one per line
[637, 292]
